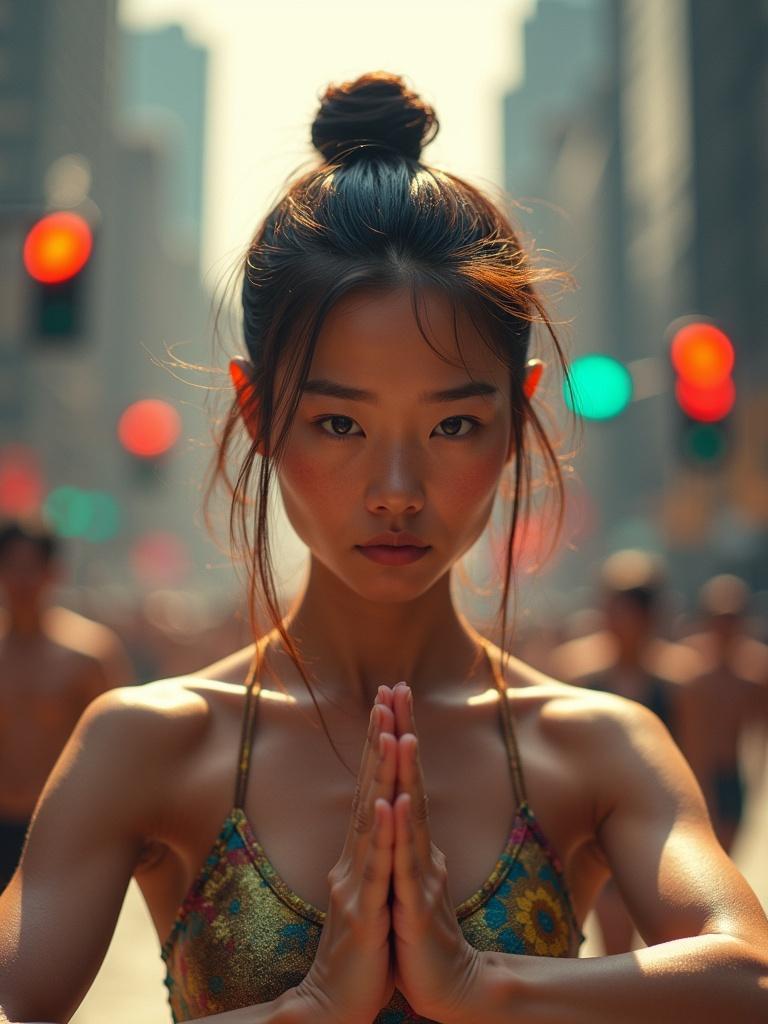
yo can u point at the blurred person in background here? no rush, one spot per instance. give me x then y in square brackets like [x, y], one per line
[628, 657]
[383, 380]
[627, 654]
[53, 662]
[727, 703]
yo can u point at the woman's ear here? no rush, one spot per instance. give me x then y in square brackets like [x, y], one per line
[533, 371]
[241, 372]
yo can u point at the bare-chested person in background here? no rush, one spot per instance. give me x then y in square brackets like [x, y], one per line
[728, 700]
[628, 656]
[53, 662]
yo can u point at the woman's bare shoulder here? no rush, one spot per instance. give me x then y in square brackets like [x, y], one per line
[166, 714]
[567, 706]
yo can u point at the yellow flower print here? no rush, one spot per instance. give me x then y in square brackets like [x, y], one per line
[544, 927]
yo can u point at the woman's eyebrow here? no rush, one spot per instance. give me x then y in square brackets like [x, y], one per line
[333, 389]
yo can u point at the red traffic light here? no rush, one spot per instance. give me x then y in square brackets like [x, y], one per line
[149, 428]
[706, 404]
[57, 247]
[703, 357]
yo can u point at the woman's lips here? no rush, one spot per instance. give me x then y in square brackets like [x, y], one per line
[389, 554]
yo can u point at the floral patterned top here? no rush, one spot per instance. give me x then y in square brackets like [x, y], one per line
[241, 936]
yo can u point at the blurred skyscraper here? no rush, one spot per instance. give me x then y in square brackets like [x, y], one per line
[636, 141]
[45, 110]
[563, 168]
[76, 133]
[164, 80]
[55, 115]
[563, 55]
[694, 89]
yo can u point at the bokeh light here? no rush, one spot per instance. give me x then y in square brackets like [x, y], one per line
[57, 247]
[92, 515]
[702, 354]
[706, 404]
[159, 558]
[104, 522]
[21, 481]
[149, 428]
[602, 387]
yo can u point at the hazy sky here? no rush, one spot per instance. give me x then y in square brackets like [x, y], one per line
[270, 62]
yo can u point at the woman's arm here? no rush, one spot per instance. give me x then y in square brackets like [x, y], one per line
[101, 801]
[707, 936]
[60, 908]
[286, 1009]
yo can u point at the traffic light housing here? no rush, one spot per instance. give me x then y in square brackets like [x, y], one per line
[702, 358]
[57, 257]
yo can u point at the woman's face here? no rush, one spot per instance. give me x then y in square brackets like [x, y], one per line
[399, 458]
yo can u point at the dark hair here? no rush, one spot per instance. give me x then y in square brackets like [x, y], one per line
[637, 577]
[32, 532]
[372, 214]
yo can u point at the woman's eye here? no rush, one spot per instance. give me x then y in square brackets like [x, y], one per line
[336, 421]
[340, 426]
[455, 426]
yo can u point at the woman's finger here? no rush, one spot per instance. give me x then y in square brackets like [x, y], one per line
[375, 779]
[410, 778]
[381, 720]
[406, 866]
[411, 781]
[377, 870]
[402, 701]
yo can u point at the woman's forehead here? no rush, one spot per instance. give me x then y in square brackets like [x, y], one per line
[376, 329]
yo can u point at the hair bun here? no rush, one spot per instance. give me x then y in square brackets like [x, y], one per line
[376, 108]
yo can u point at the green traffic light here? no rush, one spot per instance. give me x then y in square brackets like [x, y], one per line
[602, 387]
[704, 442]
[104, 519]
[68, 511]
[92, 515]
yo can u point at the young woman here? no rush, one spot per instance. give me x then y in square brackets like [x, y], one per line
[387, 385]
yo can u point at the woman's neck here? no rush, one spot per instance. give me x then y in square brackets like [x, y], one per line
[353, 645]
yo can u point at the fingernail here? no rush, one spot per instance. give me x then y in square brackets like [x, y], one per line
[410, 700]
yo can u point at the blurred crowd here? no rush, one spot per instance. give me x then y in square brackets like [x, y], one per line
[704, 673]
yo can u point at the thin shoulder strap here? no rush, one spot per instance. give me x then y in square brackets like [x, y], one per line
[251, 704]
[507, 718]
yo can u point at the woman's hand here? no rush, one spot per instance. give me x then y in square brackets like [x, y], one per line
[352, 976]
[435, 965]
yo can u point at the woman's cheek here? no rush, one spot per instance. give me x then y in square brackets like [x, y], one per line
[478, 479]
[473, 482]
[309, 490]
[467, 498]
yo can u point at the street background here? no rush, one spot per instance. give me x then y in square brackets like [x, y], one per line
[626, 138]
